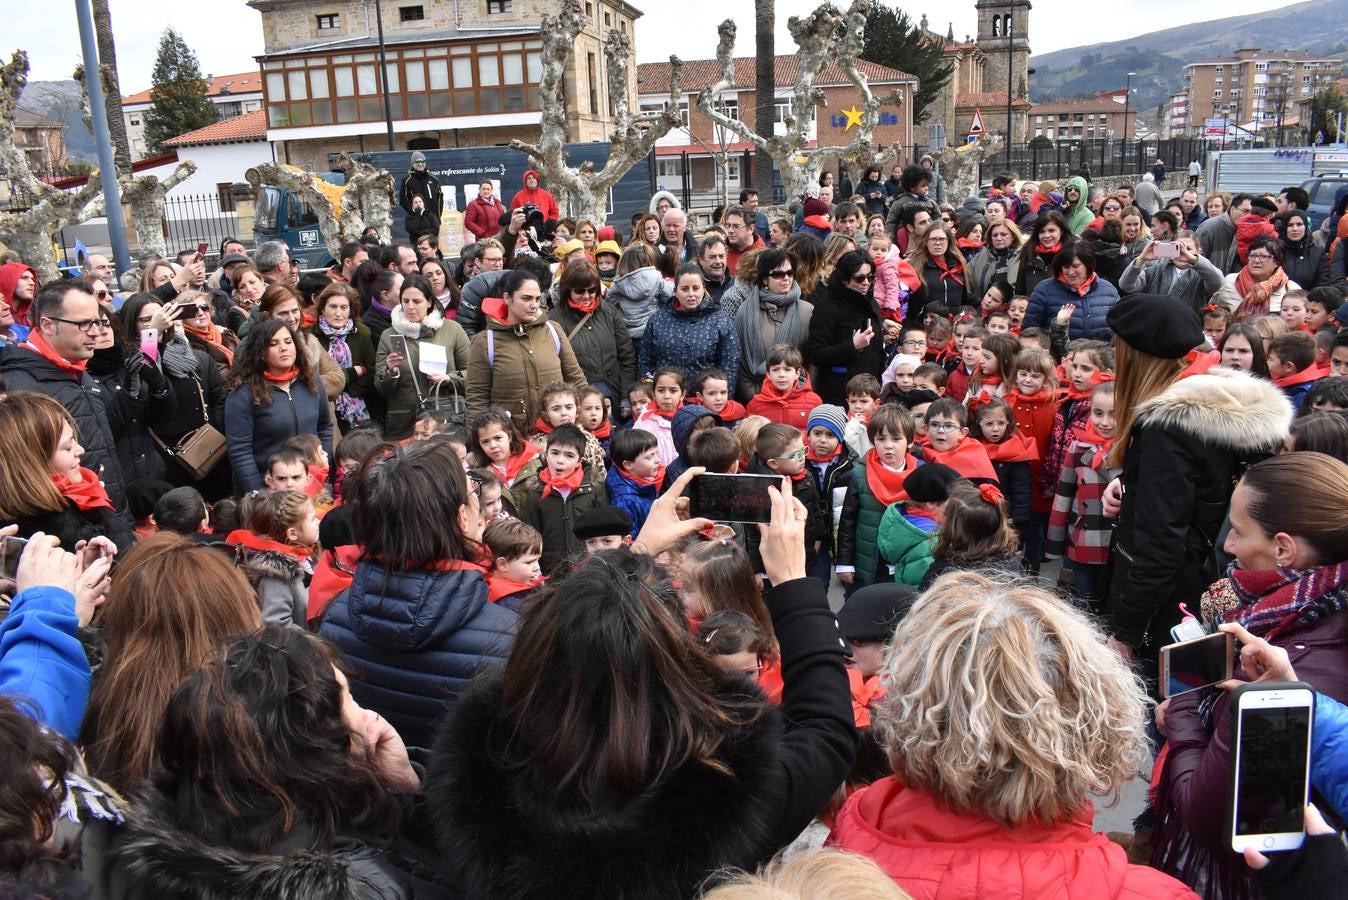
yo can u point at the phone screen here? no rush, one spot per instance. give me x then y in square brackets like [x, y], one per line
[731, 498]
[11, 548]
[201, 252]
[1271, 780]
[1196, 664]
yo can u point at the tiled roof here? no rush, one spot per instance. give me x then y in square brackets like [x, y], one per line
[26, 118]
[989, 98]
[1093, 104]
[220, 85]
[653, 78]
[250, 126]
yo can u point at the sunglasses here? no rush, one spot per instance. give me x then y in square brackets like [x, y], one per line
[585, 290]
[101, 295]
[866, 278]
[780, 273]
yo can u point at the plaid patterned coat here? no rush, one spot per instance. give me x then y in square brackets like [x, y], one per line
[1077, 523]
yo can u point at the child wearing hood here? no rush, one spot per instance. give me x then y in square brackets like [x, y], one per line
[895, 278]
[786, 397]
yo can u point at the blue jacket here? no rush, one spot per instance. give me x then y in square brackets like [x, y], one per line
[1089, 318]
[43, 668]
[417, 639]
[691, 340]
[632, 498]
[1329, 755]
[255, 433]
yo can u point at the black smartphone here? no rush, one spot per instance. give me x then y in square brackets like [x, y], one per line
[732, 498]
[1190, 665]
[11, 548]
[1270, 765]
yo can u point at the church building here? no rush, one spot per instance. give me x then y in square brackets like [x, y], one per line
[979, 81]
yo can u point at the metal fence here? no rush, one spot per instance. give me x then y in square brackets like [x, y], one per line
[191, 219]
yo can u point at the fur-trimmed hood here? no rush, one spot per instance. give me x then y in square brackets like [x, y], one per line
[510, 837]
[1223, 407]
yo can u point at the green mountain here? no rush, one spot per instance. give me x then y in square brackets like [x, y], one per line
[1159, 58]
[60, 100]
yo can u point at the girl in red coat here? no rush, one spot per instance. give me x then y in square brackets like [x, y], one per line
[1034, 404]
[786, 397]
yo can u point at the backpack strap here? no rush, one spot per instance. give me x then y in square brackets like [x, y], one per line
[491, 348]
[556, 338]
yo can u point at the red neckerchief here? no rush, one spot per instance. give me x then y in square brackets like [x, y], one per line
[969, 458]
[965, 243]
[584, 306]
[254, 541]
[500, 587]
[1199, 362]
[457, 565]
[1017, 447]
[886, 484]
[733, 410]
[1047, 251]
[1087, 434]
[212, 335]
[981, 394]
[515, 464]
[603, 432]
[287, 376]
[1306, 328]
[653, 411]
[657, 480]
[1069, 392]
[571, 482]
[810, 455]
[947, 271]
[1081, 289]
[87, 495]
[799, 476]
[1039, 399]
[770, 394]
[38, 344]
[1305, 376]
[318, 478]
[541, 426]
[307, 321]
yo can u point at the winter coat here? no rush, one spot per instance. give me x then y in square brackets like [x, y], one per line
[476, 292]
[1077, 527]
[97, 415]
[1014, 478]
[830, 483]
[792, 408]
[425, 222]
[539, 197]
[663, 429]
[362, 347]
[70, 526]
[1149, 197]
[859, 528]
[137, 454]
[638, 295]
[1306, 263]
[1078, 215]
[1091, 312]
[662, 195]
[417, 638]
[603, 346]
[1026, 275]
[1329, 754]
[376, 320]
[1111, 259]
[423, 185]
[874, 195]
[1162, 277]
[1191, 441]
[555, 516]
[904, 199]
[405, 393]
[278, 581]
[692, 340]
[482, 218]
[43, 667]
[818, 521]
[254, 433]
[934, 853]
[1217, 240]
[906, 543]
[770, 319]
[632, 498]
[506, 834]
[831, 351]
[945, 290]
[509, 365]
[981, 271]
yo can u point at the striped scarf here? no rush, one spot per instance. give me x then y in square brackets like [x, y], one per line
[1270, 600]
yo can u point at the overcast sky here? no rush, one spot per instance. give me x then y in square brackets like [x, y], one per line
[227, 33]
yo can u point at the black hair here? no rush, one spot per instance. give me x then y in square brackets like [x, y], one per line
[629, 443]
[912, 176]
[568, 436]
[181, 510]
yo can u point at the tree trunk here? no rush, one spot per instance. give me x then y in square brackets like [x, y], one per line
[765, 89]
[112, 86]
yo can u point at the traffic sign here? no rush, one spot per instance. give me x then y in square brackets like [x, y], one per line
[976, 126]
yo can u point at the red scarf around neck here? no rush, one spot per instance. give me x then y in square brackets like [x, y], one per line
[1047, 251]
[1308, 374]
[541, 426]
[318, 479]
[499, 587]
[254, 541]
[285, 377]
[87, 494]
[653, 411]
[885, 483]
[584, 306]
[1081, 289]
[1069, 392]
[604, 431]
[37, 342]
[571, 482]
[965, 243]
[1017, 447]
[811, 457]
[515, 464]
[948, 271]
[968, 457]
[656, 481]
[1016, 397]
[1088, 435]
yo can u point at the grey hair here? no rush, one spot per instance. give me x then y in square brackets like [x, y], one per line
[270, 254]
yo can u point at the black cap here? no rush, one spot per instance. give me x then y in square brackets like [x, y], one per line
[930, 483]
[1157, 324]
[143, 494]
[1263, 203]
[872, 613]
[233, 258]
[602, 521]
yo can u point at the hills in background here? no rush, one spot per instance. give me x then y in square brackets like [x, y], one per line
[1159, 58]
[60, 100]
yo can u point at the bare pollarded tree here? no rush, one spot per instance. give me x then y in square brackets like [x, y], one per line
[634, 134]
[826, 36]
[343, 211]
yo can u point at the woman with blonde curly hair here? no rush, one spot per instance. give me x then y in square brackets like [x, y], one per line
[1004, 710]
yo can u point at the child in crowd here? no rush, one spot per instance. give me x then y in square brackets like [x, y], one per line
[899, 373]
[716, 576]
[515, 549]
[1324, 345]
[940, 342]
[877, 484]
[908, 528]
[275, 549]
[1216, 319]
[717, 450]
[711, 388]
[1338, 356]
[1034, 406]
[786, 397]
[829, 464]
[432, 422]
[639, 398]
[1320, 305]
[971, 361]
[1294, 312]
[993, 373]
[141, 496]
[636, 475]
[735, 643]
[998, 323]
[287, 470]
[949, 443]
[225, 516]
[183, 511]
[863, 399]
[1033, 339]
[1089, 364]
[1327, 395]
[1013, 453]
[895, 278]
[995, 298]
[590, 416]
[351, 450]
[747, 435]
[975, 533]
[560, 405]
[560, 495]
[917, 403]
[605, 528]
[1077, 527]
[1291, 364]
[512, 459]
[316, 469]
[691, 420]
[658, 418]
[781, 451]
[931, 377]
[1016, 309]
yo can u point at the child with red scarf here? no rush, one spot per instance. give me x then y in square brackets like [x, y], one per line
[895, 278]
[829, 464]
[908, 528]
[560, 496]
[1034, 406]
[877, 484]
[780, 451]
[590, 417]
[635, 475]
[1091, 363]
[786, 397]
[863, 399]
[515, 549]
[1012, 453]
[275, 549]
[1291, 365]
[993, 374]
[1077, 527]
[949, 443]
[658, 417]
[507, 454]
[711, 389]
[559, 404]
[971, 361]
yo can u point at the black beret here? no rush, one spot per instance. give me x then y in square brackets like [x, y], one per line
[603, 521]
[872, 613]
[1263, 203]
[930, 483]
[1157, 324]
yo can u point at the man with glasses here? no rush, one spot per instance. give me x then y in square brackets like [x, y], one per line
[274, 264]
[67, 324]
[1217, 237]
[419, 182]
[740, 237]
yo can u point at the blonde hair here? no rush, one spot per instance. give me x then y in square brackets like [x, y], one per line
[147, 276]
[746, 432]
[1269, 327]
[814, 875]
[1003, 701]
[1036, 360]
[1140, 377]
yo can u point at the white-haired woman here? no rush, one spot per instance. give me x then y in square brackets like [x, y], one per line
[1004, 710]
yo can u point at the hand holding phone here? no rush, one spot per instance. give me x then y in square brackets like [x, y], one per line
[1270, 766]
[1190, 665]
[149, 343]
[1165, 249]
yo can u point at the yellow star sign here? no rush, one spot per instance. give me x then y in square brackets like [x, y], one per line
[853, 117]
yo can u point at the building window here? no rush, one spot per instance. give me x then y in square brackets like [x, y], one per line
[1221, 69]
[135, 120]
[608, 20]
[328, 21]
[222, 190]
[622, 24]
[589, 10]
[670, 167]
[411, 13]
[1216, 95]
[731, 107]
[498, 6]
[592, 78]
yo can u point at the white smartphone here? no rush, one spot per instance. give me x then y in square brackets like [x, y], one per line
[1190, 665]
[1270, 771]
[1165, 250]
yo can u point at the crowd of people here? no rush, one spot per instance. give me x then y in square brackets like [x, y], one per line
[380, 580]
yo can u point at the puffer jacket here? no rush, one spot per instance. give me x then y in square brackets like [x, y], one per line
[692, 340]
[638, 295]
[603, 346]
[480, 287]
[1090, 316]
[277, 578]
[555, 518]
[255, 432]
[1329, 754]
[859, 526]
[905, 545]
[404, 393]
[416, 639]
[632, 498]
[509, 365]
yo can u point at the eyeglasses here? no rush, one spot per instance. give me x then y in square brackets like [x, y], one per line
[1259, 257]
[798, 456]
[915, 342]
[940, 427]
[867, 277]
[87, 326]
[780, 273]
[585, 290]
[1112, 208]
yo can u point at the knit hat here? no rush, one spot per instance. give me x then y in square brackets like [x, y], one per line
[872, 612]
[932, 484]
[832, 417]
[568, 248]
[418, 156]
[1157, 324]
[607, 233]
[602, 521]
[907, 359]
[816, 207]
[608, 247]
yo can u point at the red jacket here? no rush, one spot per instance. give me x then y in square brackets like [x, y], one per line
[1034, 417]
[538, 197]
[483, 217]
[790, 408]
[732, 256]
[957, 383]
[936, 854]
[332, 575]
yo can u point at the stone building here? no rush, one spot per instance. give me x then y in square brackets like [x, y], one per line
[1254, 88]
[232, 95]
[461, 74]
[1098, 118]
[42, 140]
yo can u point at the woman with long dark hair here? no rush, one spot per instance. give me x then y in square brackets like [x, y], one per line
[846, 332]
[1035, 260]
[773, 312]
[1304, 261]
[445, 288]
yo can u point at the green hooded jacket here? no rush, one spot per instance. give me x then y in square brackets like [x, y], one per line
[1080, 215]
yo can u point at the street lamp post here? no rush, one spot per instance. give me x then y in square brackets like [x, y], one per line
[383, 70]
[1010, 67]
[1127, 99]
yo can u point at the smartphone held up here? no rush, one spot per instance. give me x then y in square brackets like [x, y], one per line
[732, 498]
[1271, 765]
